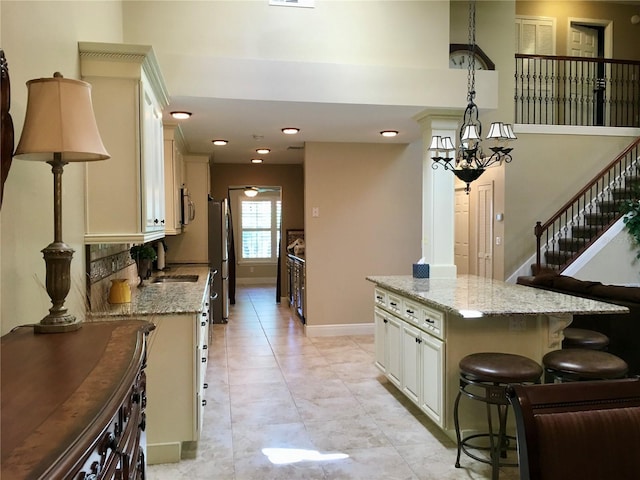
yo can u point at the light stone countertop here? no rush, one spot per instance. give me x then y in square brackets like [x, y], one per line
[166, 298]
[469, 295]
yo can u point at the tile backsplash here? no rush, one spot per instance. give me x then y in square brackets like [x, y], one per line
[106, 262]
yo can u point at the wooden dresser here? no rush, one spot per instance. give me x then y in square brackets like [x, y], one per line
[72, 404]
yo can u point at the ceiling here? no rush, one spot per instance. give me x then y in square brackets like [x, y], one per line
[249, 125]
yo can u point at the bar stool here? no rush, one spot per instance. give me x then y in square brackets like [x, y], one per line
[484, 377]
[575, 364]
[582, 338]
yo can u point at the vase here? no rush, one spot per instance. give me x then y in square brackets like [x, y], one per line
[144, 269]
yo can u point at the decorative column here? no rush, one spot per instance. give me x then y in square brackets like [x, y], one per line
[438, 199]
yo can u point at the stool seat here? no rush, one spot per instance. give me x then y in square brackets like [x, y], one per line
[583, 338]
[484, 377]
[500, 368]
[585, 364]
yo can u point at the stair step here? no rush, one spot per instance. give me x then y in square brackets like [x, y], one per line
[584, 231]
[557, 257]
[571, 244]
[623, 193]
[600, 218]
[609, 206]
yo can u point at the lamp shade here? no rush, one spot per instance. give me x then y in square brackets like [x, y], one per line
[60, 119]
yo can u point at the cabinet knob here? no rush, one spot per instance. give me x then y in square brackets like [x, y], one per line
[206, 385]
[156, 221]
[162, 222]
[204, 402]
[204, 347]
[204, 359]
[203, 324]
[385, 320]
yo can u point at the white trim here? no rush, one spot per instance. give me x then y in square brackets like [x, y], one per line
[339, 330]
[595, 248]
[577, 130]
[608, 32]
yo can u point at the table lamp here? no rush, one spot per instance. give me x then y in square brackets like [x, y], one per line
[59, 127]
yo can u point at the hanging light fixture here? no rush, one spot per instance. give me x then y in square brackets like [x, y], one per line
[468, 161]
[251, 191]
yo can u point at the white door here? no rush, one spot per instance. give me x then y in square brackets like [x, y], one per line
[432, 356]
[485, 230]
[461, 247]
[583, 42]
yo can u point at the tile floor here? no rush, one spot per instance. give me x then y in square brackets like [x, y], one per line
[270, 387]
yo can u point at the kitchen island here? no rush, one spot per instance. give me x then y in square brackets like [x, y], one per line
[424, 327]
[177, 356]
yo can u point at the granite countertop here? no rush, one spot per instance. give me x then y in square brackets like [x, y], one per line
[470, 296]
[163, 298]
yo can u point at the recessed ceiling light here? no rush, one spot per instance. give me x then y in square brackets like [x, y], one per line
[290, 130]
[389, 133]
[263, 151]
[256, 160]
[180, 115]
[220, 142]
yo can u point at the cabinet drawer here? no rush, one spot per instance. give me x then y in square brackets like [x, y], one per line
[394, 304]
[432, 321]
[412, 312]
[380, 298]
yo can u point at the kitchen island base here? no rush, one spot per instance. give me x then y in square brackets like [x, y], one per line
[424, 327]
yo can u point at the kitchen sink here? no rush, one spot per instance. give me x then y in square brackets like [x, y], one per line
[175, 278]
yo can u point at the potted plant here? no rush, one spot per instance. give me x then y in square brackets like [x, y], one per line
[143, 255]
[631, 219]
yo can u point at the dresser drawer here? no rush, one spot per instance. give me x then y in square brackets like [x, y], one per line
[394, 304]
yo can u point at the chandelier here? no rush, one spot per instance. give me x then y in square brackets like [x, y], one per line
[468, 161]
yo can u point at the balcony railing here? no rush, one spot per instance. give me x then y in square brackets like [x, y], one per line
[553, 90]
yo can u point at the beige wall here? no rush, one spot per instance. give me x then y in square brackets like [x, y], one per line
[40, 38]
[291, 181]
[370, 208]
[626, 36]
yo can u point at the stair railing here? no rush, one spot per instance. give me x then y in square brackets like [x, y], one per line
[589, 213]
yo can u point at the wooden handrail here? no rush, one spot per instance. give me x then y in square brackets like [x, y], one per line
[575, 201]
[589, 184]
[616, 61]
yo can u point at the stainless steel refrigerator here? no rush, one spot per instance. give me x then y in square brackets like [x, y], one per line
[219, 259]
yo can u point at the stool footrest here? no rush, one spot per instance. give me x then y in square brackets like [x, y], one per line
[465, 445]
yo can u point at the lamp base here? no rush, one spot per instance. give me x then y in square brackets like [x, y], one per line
[58, 324]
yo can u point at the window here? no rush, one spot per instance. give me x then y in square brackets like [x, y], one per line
[260, 229]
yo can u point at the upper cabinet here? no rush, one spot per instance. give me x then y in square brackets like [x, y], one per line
[173, 178]
[125, 195]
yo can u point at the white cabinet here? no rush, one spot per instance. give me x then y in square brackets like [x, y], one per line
[125, 195]
[176, 383]
[388, 346]
[173, 179]
[408, 351]
[432, 370]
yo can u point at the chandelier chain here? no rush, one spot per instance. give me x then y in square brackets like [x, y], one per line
[471, 69]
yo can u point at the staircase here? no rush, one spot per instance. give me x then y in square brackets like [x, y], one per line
[584, 218]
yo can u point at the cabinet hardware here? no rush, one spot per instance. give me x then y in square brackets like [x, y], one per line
[385, 320]
[203, 324]
[204, 403]
[393, 304]
[204, 359]
[410, 312]
[428, 320]
[204, 347]
[205, 385]
[156, 221]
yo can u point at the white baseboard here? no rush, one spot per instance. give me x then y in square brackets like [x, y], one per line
[339, 330]
[256, 281]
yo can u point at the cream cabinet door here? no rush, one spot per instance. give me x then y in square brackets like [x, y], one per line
[432, 371]
[153, 206]
[411, 364]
